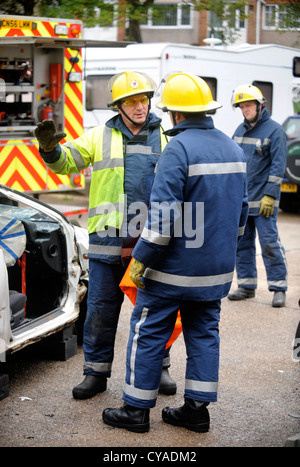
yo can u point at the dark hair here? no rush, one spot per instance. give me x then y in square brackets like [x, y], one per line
[193, 114]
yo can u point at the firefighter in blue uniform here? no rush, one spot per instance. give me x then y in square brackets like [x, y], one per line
[184, 259]
[264, 143]
[124, 153]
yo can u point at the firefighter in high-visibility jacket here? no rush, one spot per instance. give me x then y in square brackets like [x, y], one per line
[264, 143]
[124, 153]
[184, 259]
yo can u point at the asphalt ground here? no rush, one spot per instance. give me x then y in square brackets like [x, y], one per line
[258, 397]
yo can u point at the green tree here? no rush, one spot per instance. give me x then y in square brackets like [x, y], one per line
[95, 12]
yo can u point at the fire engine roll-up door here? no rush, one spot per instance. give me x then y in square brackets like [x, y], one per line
[293, 162]
[12, 239]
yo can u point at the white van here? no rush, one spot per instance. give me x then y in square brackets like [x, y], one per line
[270, 67]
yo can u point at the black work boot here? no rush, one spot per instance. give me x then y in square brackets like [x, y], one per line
[90, 386]
[278, 299]
[167, 384]
[241, 294]
[128, 417]
[193, 415]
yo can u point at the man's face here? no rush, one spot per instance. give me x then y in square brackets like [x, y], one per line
[136, 107]
[249, 110]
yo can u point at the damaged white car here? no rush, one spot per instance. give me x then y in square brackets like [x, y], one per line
[43, 277]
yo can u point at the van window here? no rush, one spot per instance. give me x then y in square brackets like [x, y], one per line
[267, 91]
[296, 66]
[96, 91]
[212, 83]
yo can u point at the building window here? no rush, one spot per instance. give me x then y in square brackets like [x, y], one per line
[221, 28]
[280, 17]
[169, 15]
[185, 15]
[163, 15]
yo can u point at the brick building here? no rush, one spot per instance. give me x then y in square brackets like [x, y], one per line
[178, 22]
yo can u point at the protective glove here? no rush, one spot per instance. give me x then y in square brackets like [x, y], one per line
[137, 269]
[47, 135]
[266, 206]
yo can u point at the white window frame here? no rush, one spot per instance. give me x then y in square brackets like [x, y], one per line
[277, 19]
[237, 27]
[179, 16]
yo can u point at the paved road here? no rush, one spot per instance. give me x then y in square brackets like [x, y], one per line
[258, 404]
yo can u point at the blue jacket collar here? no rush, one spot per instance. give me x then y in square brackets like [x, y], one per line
[117, 123]
[205, 123]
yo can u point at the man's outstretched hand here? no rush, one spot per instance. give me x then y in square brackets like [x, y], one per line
[47, 135]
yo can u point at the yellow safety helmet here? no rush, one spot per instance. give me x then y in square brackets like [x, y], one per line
[185, 92]
[245, 93]
[128, 83]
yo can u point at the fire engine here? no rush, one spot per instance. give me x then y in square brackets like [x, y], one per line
[40, 78]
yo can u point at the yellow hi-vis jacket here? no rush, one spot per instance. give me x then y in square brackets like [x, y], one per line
[123, 173]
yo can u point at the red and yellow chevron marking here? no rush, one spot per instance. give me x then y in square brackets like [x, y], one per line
[21, 166]
[73, 98]
[23, 169]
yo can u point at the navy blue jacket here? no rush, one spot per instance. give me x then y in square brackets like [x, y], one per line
[198, 210]
[265, 148]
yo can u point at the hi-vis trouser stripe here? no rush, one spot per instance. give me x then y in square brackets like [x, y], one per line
[129, 389]
[253, 281]
[151, 394]
[98, 367]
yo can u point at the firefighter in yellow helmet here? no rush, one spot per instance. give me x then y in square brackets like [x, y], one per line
[264, 143]
[184, 259]
[119, 196]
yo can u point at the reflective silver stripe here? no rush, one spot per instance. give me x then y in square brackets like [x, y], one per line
[166, 362]
[105, 250]
[56, 166]
[108, 164]
[140, 393]
[201, 386]
[135, 343]
[105, 209]
[100, 367]
[255, 141]
[188, 281]
[138, 148]
[106, 143]
[241, 230]
[274, 179]
[155, 237]
[247, 281]
[76, 155]
[282, 283]
[216, 169]
[256, 204]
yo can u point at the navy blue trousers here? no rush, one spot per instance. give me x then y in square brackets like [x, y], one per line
[104, 304]
[152, 323]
